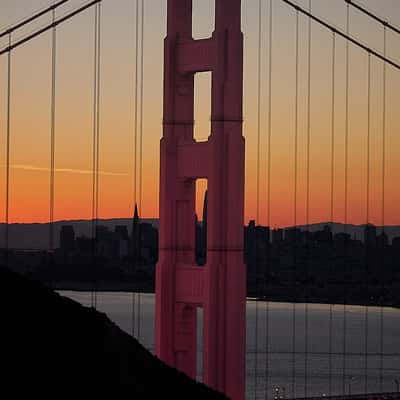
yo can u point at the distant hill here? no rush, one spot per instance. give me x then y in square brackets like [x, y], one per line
[36, 236]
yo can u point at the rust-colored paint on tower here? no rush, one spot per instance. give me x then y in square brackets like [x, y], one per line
[220, 286]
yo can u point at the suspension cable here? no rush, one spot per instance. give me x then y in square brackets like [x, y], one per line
[308, 201]
[98, 123]
[383, 244]
[52, 133]
[332, 186]
[96, 151]
[346, 168]
[48, 27]
[32, 18]
[94, 227]
[141, 142]
[259, 65]
[269, 165]
[385, 23]
[8, 138]
[135, 165]
[296, 134]
[343, 35]
[366, 244]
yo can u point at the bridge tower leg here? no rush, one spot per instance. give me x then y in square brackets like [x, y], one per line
[220, 286]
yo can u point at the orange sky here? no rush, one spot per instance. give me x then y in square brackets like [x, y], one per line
[31, 115]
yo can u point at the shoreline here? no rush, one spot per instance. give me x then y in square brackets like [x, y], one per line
[118, 287]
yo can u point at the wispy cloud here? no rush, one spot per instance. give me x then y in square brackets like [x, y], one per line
[27, 167]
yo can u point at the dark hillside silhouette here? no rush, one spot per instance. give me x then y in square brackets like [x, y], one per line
[51, 344]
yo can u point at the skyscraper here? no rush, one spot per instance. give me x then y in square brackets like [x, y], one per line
[135, 236]
[67, 238]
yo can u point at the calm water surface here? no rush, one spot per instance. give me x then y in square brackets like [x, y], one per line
[344, 359]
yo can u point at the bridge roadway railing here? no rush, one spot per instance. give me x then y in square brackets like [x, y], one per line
[368, 396]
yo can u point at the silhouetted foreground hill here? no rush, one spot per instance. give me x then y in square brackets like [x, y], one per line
[52, 344]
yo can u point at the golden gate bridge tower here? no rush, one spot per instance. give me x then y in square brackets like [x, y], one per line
[219, 287]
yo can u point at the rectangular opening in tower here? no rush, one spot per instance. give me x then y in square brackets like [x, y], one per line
[202, 106]
[203, 18]
[201, 222]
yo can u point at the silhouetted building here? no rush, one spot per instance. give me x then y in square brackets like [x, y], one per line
[277, 236]
[67, 238]
[370, 235]
[104, 242]
[84, 245]
[342, 237]
[293, 235]
[325, 235]
[256, 245]
[121, 232]
[148, 243]
[121, 239]
[396, 243]
[382, 240]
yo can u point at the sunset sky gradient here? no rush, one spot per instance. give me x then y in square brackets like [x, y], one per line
[30, 123]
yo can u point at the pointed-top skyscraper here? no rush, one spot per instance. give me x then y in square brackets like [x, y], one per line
[135, 236]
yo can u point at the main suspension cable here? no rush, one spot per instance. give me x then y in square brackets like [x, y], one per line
[370, 14]
[32, 18]
[48, 27]
[343, 35]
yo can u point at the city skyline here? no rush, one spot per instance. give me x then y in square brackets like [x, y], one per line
[30, 122]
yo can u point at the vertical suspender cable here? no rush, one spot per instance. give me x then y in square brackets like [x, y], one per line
[269, 164]
[366, 244]
[8, 138]
[135, 184]
[346, 162]
[258, 191]
[94, 246]
[332, 186]
[308, 244]
[94, 158]
[95, 153]
[52, 135]
[383, 244]
[141, 141]
[98, 125]
[296, 132]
